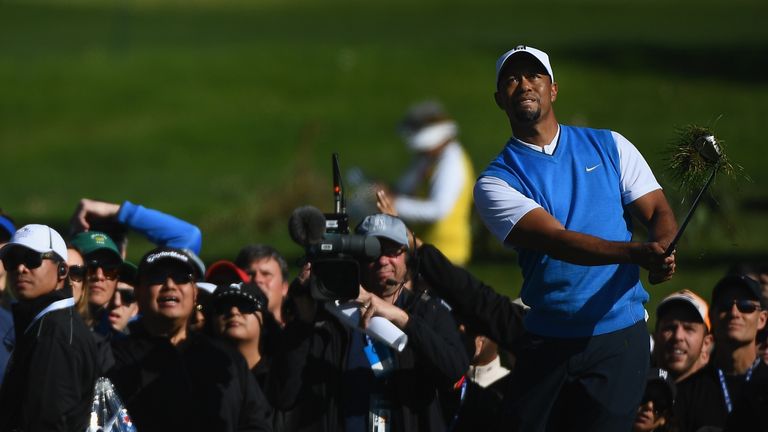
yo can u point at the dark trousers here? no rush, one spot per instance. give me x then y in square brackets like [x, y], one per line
[584, 384]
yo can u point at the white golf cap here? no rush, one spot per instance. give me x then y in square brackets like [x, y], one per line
[39, 238]
[689, 298]
[541, 56]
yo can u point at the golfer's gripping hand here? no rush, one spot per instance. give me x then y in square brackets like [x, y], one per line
[650, 256]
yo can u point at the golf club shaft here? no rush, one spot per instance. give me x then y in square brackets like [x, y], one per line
[680, 230]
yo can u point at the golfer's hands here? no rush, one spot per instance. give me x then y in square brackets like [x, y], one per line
[89, 210]
[651, 256]
[372, 305]
[385, 202]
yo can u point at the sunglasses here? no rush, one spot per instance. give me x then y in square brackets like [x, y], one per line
[77, 273]
[393, 252]
[29, 258]
[221, 307]
[179, 277]
[111, 270]
[743, 305]
[127, 296]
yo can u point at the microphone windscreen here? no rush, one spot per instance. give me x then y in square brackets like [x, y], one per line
[306, 225]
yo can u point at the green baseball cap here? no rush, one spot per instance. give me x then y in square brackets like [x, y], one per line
[89, 242]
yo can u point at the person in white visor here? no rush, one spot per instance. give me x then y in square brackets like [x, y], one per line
[49, 379]
[434, 195]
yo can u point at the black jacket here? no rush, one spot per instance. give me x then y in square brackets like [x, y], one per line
[479, 306]
[481, 408]
[700, 402]
[52, 371]
[308, 370]
[201, 385]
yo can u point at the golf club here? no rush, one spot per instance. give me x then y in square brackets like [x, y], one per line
[709, 150]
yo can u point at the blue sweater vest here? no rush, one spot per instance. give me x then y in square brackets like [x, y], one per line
[580, 186]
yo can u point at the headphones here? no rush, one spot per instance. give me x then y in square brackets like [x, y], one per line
[63, 269]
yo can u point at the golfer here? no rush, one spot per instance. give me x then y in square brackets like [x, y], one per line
[562, 196]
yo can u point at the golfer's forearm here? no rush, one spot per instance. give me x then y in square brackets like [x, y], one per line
[585, 249]
[662, 227]
[541, 232]
[654, 212]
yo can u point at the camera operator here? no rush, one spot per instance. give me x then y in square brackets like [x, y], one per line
[336, 378]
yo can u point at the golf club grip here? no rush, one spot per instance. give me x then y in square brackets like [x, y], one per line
[680, 230]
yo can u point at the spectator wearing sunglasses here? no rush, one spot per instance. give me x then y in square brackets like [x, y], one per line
[737, 312]
[655, 413]
[76, 281]
[337, 378]
[175, 379]
[122, 307]
[50, 377]
[220, 273]
[238, 317]
[759, 272]
[102, 261]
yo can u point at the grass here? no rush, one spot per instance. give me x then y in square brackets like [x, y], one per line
[225, 113]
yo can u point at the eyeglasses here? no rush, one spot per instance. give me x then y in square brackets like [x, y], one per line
[28, 257]
[127, 296]
[159, 276]
[223, 306]
[110, 270]
[76, 273]
[743, 305]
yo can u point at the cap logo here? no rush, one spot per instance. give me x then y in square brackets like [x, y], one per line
[519, 47]
[663, 374]
[166, 254]
[99, 238]
[24, 232]
[377, 224]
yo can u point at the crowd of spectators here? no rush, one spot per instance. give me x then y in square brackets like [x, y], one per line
[241, 346]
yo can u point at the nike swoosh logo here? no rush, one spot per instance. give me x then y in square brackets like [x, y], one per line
[590, 169]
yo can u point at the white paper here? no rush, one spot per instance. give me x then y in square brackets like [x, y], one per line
[379, 328]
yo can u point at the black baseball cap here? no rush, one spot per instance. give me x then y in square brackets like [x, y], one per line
[249, 292]
[660, 388]
[165, 256]
[750, 285]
